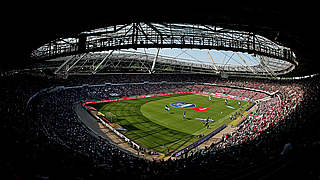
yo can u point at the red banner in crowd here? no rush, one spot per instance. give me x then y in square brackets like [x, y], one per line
[137, 97]
[156, 95]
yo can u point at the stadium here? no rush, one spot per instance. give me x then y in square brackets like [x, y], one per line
[207, 95]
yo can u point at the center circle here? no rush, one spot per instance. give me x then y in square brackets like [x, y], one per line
[183, 105]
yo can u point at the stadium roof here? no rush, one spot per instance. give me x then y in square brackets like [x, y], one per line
[280, 23]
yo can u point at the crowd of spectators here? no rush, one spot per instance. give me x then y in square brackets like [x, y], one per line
[47, 141]
[254, 95]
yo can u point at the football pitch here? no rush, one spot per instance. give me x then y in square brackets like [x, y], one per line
[150, 125]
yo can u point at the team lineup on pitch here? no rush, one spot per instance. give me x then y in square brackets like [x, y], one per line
[167, 124]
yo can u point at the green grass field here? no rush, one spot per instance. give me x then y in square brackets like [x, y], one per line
[152, 127]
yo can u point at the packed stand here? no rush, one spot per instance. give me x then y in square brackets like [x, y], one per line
[54, 141]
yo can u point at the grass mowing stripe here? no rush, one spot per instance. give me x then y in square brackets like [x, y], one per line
[149, 125]
[129, 116]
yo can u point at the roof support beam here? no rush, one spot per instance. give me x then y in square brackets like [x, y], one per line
[76, 62]
[214, 64]
[155, 35]
[266, 68]
[103, 60]
[253, 71]
[63, 64]
[156, 30]
[154, 60]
